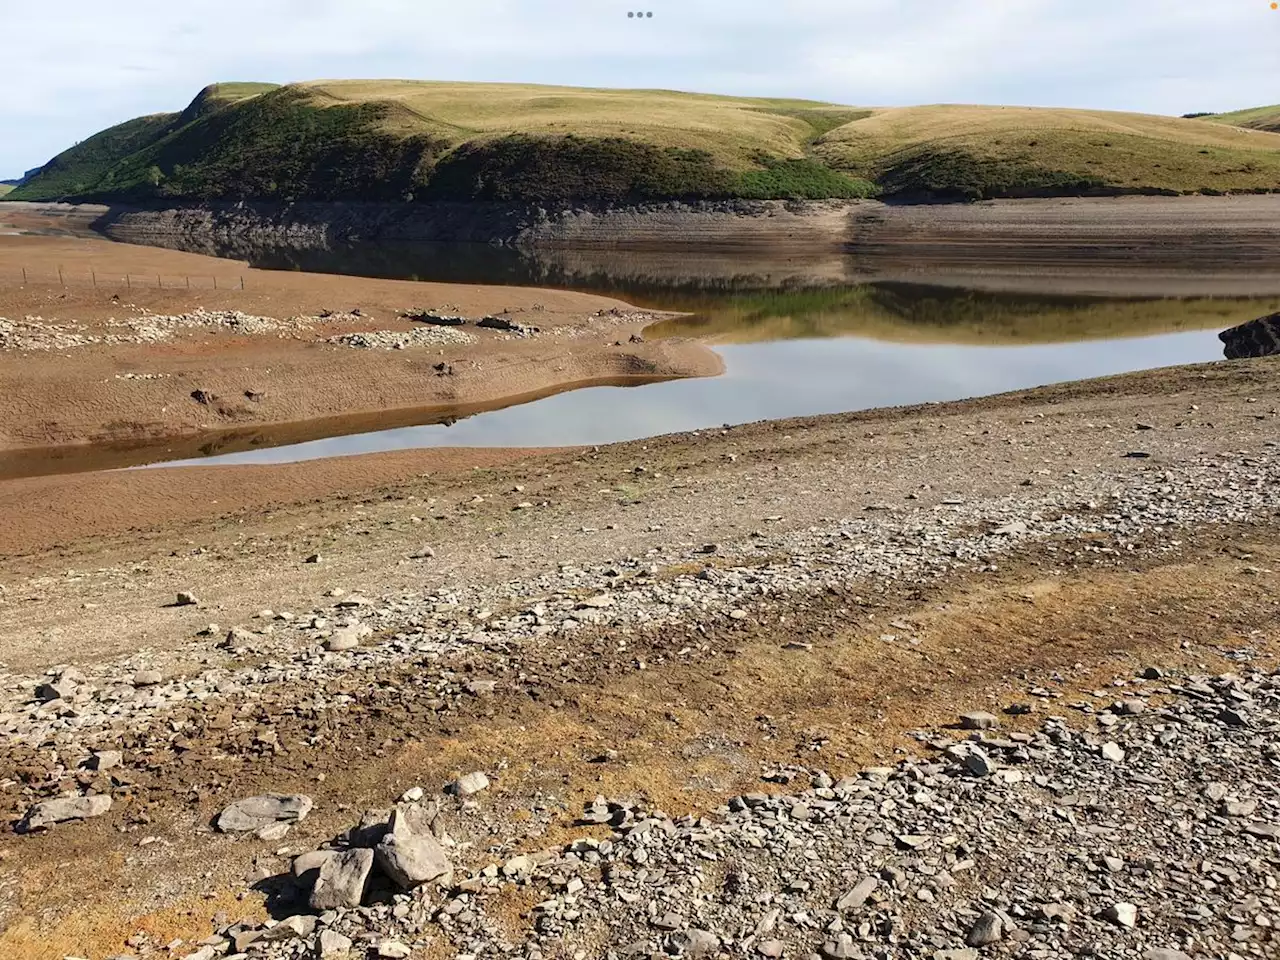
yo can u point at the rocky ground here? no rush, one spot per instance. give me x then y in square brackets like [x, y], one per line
[982, 679]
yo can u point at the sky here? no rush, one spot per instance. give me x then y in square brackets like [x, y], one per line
[89, 64]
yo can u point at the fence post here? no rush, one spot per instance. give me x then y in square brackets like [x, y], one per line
[94, 274]
[127, 284]
[60, 280]
[24, 276]
[215, 283]
[158, 285]
[242, 281]
[188, 283]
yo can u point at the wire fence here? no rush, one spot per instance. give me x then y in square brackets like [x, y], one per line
[91, 277]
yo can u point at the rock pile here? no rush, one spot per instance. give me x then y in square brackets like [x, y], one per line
[36, 333]
[377, 874]
[429, 336]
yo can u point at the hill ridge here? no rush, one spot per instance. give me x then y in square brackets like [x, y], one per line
[409, 141]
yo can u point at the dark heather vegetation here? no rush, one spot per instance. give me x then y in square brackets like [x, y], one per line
[403, 141]
[942, 174]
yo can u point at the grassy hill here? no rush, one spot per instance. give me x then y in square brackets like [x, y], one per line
[408, 140]
[5, 188]
[1259, 118]
[973, 152]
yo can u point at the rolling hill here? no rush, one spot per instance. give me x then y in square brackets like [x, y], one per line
[1258, 118]
[416, 141]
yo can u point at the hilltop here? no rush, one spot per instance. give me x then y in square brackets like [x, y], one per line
[415, 141]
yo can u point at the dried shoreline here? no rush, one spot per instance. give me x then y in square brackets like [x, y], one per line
[107, 366]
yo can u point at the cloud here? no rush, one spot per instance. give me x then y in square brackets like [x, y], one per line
[99, 64]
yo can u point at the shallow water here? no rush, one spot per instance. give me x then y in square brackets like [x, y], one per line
[769, 380]
[799, 336]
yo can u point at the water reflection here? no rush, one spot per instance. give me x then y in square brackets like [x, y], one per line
[773, 380]
[813, 334]
[755, 296]
[929, 314]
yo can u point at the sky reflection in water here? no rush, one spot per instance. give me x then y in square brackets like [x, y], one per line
[785, 378]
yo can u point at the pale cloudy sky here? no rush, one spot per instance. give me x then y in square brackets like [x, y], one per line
[81, 65]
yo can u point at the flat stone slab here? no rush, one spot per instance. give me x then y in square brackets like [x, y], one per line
[254, 813]
[49, 812]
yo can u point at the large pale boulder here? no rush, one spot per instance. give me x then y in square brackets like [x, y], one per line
[410, 857]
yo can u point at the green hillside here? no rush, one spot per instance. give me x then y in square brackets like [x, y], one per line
[1259, 118]
[408, 140]
[5, 188]
[89, 169]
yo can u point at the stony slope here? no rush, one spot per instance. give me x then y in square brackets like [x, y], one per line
[671, 625]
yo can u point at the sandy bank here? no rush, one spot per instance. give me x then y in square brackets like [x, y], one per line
[218, 383]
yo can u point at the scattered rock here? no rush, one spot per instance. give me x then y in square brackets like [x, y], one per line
[333, 945]
[106, 760]
[61, 689]
[1122, 914]
[979, 720]
[347, 638]
[471, 783]
[988, 929]
[841, 948]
